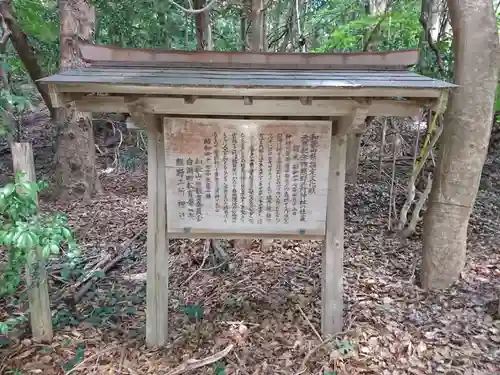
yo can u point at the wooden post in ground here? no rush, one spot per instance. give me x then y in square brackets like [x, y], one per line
[36, 275]
[333, 247]
[157, 243]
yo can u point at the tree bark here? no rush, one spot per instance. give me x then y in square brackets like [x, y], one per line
[464, 142]
[19, 40]
[203, 29]
[257, 25]
[76, 159]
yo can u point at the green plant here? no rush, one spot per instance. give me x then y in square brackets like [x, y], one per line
[27, 233]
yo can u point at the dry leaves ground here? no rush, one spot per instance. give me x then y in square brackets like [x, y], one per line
[267, 301]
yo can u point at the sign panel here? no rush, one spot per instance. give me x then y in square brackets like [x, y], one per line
[227, 177]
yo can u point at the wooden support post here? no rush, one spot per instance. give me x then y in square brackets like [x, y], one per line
[40, 316]
[353, 150]
[157, 244]
[353, 125]
[333, 247]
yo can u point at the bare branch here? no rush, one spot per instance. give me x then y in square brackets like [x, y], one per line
[424, 21]
[6, 33]
[206, 8]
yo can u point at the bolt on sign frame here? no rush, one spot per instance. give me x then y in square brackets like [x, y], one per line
[238, 143]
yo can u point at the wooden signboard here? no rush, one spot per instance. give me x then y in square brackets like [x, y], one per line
[230, 178]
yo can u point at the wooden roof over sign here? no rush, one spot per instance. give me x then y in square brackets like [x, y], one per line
[109, 56]
[150, 71]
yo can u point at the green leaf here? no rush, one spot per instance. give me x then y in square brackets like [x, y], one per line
[220, 369]
[46, 251]
[130, 310]
[193, 311]
[79, 354]
[65, 273]
[54, 248]
[24, 241]
[100, 274]
[66, 233]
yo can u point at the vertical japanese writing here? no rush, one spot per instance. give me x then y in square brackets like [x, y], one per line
[261, 177]
[269, 200]
[190, 188]
[251, 209]
[295, 178]
[242, 177]
[225, 152]
[304, 154]
[208, 167]
[312, 163]
[279, 147]
[234, 175]
[198, 178]
[216, 173]
[286, 183]
[181, 187]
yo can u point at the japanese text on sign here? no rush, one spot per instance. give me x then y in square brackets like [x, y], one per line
[247, 176]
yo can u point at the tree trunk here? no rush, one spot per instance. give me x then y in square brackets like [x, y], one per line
[258, 26]
[467, 128]
[76, 160]
[203, 29]
[375, 7]
[20, 42]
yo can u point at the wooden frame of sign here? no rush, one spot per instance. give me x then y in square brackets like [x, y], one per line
[299, 198]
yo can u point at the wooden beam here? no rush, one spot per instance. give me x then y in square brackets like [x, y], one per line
[36, 274]
[140, 118]
[374, 92]
[333, 247]
[157, 243]
[155, 56]
[251, 106]
[352, 123]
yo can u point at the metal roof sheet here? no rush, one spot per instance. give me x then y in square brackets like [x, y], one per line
[139, 76]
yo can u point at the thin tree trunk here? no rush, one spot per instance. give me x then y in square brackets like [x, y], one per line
[464, 144]
[76, 159]
[375, 7]
[257, 38]
[20, 42]
[203, 29]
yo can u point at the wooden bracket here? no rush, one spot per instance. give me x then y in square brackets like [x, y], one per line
[57, 98]
[353, 123]
[305, 100]
[190, 99]
[140, 118]
[441, 103]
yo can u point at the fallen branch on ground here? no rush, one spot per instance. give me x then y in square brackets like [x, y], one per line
[192, 364]
[122, 253]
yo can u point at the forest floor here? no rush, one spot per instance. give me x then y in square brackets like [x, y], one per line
[266, 301]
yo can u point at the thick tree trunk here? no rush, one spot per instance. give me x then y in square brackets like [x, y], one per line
[203, 29]
[464, 142]
[76, 160]
[20, 42]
